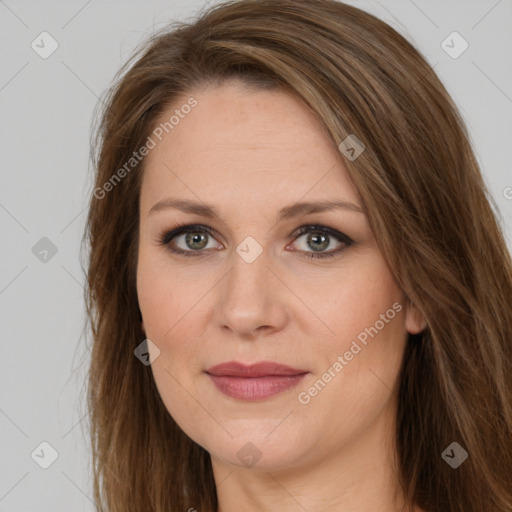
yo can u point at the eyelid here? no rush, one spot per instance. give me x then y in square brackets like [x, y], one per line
[307, 228]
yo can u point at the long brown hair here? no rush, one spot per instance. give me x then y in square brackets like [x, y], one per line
[429, 209]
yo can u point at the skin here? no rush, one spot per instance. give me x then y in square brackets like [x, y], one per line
[250, 154]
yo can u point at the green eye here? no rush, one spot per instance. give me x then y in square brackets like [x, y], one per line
[319, 238]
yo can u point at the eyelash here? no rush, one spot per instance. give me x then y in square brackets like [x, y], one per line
[167, 236]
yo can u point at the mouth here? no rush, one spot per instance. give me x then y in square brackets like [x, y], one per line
[254, 382]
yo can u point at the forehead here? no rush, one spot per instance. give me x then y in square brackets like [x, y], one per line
[254, 144]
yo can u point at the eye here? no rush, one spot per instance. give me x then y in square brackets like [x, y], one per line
[319, 238]
[195, 238]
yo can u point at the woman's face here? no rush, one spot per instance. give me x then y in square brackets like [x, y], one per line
[257, 289]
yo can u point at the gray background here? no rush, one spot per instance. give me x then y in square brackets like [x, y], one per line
[47, 107]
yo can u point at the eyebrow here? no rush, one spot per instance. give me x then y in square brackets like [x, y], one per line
[288, 212]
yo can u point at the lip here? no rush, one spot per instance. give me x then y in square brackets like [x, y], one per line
[262, 369]
[256, 381]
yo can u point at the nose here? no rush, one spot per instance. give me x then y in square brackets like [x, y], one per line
[251, 299]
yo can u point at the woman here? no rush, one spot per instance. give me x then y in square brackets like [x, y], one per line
[299, 293]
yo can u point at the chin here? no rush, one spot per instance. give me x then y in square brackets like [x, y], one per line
[259, 452]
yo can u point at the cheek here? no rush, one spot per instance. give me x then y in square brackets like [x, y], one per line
[363, 300]
[164, 293]
[360, 363]
[167, 306]
[170, 303]
[163, 303]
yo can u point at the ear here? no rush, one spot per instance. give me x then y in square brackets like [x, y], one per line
[415, 322]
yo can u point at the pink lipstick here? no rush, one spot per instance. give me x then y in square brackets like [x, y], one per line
[254, 382]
